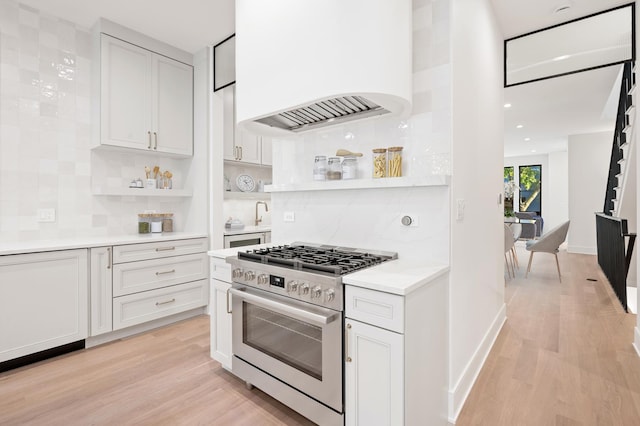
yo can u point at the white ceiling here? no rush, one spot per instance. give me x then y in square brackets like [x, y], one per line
[550, 110]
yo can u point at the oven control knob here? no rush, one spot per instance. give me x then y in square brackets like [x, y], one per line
[237, 273]
[292, 286]
[263, 279]
[329, 295]
[304, 289]
[316, 292]
[249, 275]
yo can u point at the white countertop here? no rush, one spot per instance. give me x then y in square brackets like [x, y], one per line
[396, 276]
[247, 230]
[20, 247]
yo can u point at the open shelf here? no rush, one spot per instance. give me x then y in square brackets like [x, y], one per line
[237, 195]
[330, 185]
[143, 192]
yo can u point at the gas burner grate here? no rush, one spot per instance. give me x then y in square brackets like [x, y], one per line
[319, 259]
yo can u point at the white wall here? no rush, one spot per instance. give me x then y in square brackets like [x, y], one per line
[477, 308]
[45, 140]
[555, 184]
[589, 156]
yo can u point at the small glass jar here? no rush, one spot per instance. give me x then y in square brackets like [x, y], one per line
[167, 222]
[156, 222]
[334, 169]
[144, 223]
[379, 162]
[395, 161]
[349, 168]
[320, 168]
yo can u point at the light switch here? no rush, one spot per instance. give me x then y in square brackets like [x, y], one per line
[46, 215]
[289, 216]
[460, 209]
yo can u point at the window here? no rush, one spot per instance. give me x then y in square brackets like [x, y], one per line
[509, 191]
[530, 180]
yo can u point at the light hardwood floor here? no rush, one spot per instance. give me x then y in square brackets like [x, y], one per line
[564, 356]
[164, 377]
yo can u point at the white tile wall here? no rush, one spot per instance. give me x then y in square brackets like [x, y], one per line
[45, 131]
[369, 217]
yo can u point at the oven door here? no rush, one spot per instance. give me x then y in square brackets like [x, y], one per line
[296, 342]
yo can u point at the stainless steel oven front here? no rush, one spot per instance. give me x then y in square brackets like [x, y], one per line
[296, 342]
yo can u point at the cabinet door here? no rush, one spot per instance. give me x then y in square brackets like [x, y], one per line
[221, 323]
[125, 101]
[173, 106]
[43, 301]
[374, 378]
[249, 146]
[229, 123]
[101, 259]
[267, 154]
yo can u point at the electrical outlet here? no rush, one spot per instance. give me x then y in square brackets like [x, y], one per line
[46, 215]
[289, 216]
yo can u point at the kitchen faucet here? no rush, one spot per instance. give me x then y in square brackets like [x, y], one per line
[266, 209]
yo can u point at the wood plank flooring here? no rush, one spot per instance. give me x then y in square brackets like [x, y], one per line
[164, 377]
[564, 356]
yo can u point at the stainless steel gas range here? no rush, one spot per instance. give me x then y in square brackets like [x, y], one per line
[287, 321]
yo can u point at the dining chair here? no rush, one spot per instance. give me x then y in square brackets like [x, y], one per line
[548, 243]
[516, 230]
[508, 246]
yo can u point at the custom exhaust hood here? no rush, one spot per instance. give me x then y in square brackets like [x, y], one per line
[305, 65]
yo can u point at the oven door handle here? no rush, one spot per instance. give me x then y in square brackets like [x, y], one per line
[302, 314]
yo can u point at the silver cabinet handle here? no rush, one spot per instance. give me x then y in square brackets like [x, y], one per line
[165, 248]
[229, 311]
[165, 302]
[240, 153]
[165, 272]
[318, 316]
[155, 136]
[109, 258]
[149, 135]
[347, 358]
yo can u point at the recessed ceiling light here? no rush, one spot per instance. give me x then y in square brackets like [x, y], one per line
[527, 139]
[519, 126]
[507, 105]
[561, 57]
[533, 150]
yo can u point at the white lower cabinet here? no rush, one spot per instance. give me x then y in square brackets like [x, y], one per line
[374, 376]
[137, 283]
[43, 301]
[396, 356]
[220, 304]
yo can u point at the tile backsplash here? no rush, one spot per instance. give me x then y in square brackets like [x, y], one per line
[45, 131]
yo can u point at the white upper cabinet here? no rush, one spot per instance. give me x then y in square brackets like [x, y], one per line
[146, 99]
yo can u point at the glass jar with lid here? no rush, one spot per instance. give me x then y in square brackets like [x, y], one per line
[334, 169]
[320, 168]
[349, 168]
[144, 223]
[395, 161]
[379, 162]
[167, 222]
[156, 222]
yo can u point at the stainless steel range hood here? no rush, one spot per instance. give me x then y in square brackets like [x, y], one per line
[302, 66]
[325, 113]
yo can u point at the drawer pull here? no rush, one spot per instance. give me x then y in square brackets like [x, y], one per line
[165, 272]
[346, 344]
[165, 302]
[165, 248]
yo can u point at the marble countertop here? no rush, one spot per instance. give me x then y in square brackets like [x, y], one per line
[247, 230]
[397, 276]
[20, 247]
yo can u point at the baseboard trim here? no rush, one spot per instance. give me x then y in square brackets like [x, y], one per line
[582, 250]
[636, 340]
[458, 394]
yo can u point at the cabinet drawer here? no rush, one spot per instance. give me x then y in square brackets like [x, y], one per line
[145, 275]
[220, 270]
[375, 307]
[158, 250]
[150, 305]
